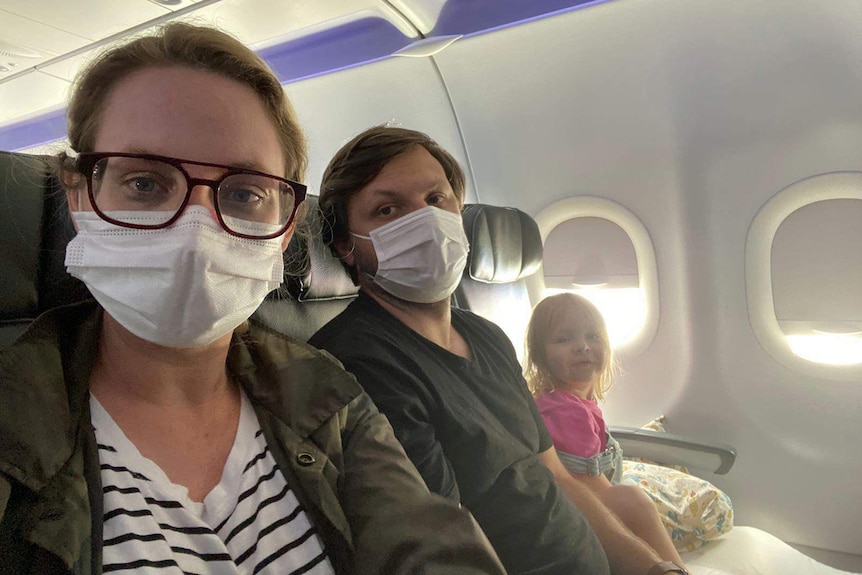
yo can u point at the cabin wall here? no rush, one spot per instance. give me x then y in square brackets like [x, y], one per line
[692, 115]
[402, 91]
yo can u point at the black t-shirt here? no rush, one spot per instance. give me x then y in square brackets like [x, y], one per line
[472, 430]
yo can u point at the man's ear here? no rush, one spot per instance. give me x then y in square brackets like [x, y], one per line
[344, 249]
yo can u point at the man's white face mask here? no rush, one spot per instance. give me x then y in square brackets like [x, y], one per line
[182, 286]
[420, 256]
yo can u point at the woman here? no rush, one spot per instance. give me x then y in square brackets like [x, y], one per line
[159, 429]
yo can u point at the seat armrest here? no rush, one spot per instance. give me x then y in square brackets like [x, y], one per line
[672, 449]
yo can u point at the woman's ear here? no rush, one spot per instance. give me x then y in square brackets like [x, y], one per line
[72, 199]
[73, 183]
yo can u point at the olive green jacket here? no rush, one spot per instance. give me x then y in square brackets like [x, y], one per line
[373, 512]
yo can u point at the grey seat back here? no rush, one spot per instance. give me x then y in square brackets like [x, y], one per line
[505, 249]
[316, 287]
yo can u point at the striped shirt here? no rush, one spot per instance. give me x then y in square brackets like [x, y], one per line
[250, 523]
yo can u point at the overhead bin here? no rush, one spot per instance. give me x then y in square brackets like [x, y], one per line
[351, 44]
[297, 42]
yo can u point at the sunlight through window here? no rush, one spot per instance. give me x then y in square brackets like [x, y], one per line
[828, 348]
[624, 309]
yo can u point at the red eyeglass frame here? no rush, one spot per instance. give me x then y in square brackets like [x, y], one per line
[86, 162]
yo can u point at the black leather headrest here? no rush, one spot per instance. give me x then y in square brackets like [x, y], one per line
[22, 182]
[505, 243]
[34, 230]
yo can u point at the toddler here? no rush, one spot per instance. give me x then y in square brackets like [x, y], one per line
[569, 367]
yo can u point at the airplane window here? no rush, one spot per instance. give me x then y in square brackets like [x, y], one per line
[803, 273]
[599, 249]
[594, 257]
[817, 281]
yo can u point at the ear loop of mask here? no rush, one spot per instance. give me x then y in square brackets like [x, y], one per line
[353, 248]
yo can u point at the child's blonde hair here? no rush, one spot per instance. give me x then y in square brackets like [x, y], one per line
[547, 315]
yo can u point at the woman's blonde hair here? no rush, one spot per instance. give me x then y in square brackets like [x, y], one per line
[546, 317]
[197, 48]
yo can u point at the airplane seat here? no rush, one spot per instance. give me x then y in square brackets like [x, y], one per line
[505, 248]
[316, 288]
[34, 231]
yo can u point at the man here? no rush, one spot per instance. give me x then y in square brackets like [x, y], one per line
[448, 380]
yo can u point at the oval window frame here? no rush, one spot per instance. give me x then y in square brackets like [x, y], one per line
[758, 267]
[573, 207]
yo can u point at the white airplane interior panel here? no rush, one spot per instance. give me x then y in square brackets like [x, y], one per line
[404, 91]
[88, 19]
[551, 134]
[46, 92]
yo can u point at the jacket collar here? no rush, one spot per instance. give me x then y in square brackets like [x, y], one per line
[301, 386]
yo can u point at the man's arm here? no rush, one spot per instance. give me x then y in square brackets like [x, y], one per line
[398, 527]
[627, 553]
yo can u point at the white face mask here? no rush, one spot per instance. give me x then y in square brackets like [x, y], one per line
[182, 286]
[420, 256]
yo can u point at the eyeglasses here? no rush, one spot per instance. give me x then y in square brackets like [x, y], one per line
[248, 203]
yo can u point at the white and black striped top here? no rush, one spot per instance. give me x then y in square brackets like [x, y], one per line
[250, 523]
